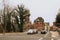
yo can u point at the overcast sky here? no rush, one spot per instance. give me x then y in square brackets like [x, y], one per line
[38, 8]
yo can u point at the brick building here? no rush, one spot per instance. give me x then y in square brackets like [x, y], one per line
[39, 24]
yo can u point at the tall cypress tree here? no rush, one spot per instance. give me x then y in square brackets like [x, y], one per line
[8, 19]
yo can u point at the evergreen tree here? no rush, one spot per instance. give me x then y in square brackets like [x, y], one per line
[58, 19]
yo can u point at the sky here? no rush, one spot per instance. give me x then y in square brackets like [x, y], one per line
[47, 9]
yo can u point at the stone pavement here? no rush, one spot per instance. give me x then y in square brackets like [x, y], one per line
[20, 36]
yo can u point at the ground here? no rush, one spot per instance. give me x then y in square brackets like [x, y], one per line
[20, 36]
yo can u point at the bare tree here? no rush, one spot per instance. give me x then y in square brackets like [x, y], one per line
[22, 14]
